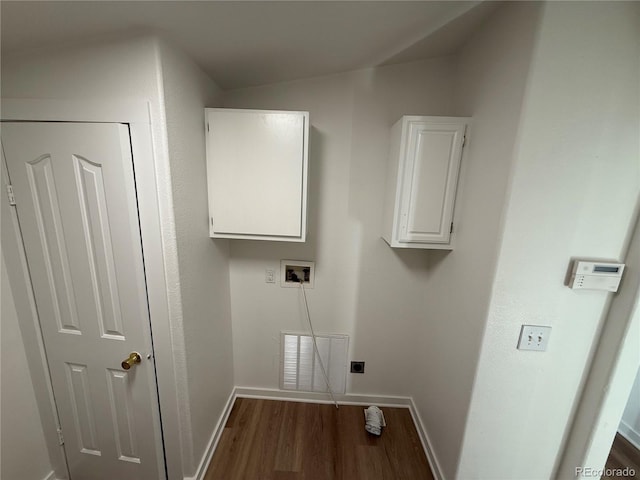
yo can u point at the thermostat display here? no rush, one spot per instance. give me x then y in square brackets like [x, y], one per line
[604, 269]
[596, 275]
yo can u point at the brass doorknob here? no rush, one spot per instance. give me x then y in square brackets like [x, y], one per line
[133, 359]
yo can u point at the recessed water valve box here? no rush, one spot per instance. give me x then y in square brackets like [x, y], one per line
[294, 272]
[596, 275]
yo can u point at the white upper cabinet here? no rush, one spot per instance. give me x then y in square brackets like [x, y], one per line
[257, 174]
[424, 162]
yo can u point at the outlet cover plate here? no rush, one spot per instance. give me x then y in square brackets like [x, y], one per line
[534, 337]
[270, 275]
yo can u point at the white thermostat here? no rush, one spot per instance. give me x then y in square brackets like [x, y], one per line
[596, 275]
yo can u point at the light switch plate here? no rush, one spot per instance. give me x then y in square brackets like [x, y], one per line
[534, 337]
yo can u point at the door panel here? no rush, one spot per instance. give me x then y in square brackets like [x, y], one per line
[93, 206]
[76, 204]
[431, 169]
[84, 419]
[49, 225]
[433, 158]
[123, 414]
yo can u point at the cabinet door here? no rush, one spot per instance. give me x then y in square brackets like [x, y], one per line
[256, 167]
[431, 165]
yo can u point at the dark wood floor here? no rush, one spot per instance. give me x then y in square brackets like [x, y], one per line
[273, 440]
[623, 454]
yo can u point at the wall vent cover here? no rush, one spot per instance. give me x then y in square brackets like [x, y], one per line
[300, 368]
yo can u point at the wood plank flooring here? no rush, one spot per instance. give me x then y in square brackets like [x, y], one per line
[274, 440]
[623, 454]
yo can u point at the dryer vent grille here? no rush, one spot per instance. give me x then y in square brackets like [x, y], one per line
[300, 368]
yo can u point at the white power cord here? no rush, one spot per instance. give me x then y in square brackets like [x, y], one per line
[315, 344]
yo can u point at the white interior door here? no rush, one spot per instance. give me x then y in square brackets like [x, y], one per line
[76, 203]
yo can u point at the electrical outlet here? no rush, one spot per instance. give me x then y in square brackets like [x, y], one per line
[270, 275]
[294, 271]
[357, 367]
[534, 337]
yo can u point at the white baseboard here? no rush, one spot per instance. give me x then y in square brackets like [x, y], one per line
[310, 397]
[426, 442]
[215, 438]
[630, 434]
[51, 476]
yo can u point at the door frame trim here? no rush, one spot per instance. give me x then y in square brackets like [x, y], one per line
[146, 144]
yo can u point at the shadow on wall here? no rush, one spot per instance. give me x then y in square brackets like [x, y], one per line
[446, 38]
[390, 283]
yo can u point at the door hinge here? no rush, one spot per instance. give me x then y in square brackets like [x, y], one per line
[60, 437]
[12, 198]
[207, 126]
[464, 140]
[451, 229]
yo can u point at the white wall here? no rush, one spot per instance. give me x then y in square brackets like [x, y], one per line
[630, 423]
[578, 137]
[130, 68]
[203, 263]
[611, 374]
[490, 76]
[362, 287]
[23, 451]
